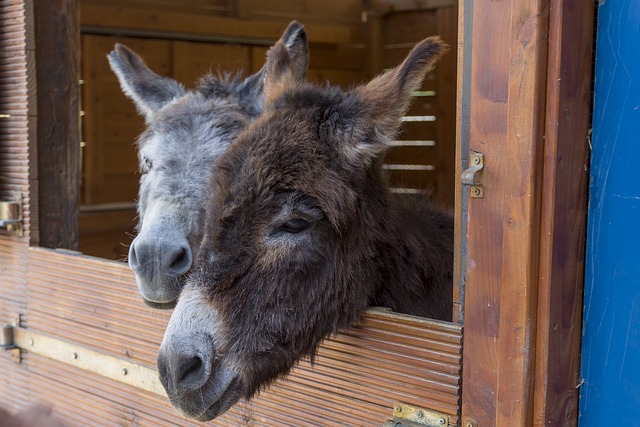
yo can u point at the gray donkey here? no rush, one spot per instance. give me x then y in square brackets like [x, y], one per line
[301, 236]
[186, 131]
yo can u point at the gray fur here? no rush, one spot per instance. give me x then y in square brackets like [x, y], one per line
[187, 130]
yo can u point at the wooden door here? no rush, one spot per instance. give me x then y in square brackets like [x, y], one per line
[525, 91]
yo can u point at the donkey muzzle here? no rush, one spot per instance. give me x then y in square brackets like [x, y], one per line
[159, 264]
[197, 383]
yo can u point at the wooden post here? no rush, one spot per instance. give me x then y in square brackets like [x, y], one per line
[506, 100]
[525, 105]
[564, 213]
[58, 134]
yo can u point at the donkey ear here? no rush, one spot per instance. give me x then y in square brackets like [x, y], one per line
[287, 62]
[385, 99]
[251, 93]
[251, 90]
[149, 91]
[295, 40]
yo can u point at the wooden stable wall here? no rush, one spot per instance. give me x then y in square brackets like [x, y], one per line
[93, 303]
[524, 102]
[189, 38]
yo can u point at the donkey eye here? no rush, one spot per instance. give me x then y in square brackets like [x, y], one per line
[295, 225]
[146, 165]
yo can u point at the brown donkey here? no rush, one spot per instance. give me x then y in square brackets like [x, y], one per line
[302, 235]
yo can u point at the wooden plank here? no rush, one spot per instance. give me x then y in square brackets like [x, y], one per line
[107, 234]
[563, 224]
[191, 60]
[508, 67]
[57, 70]
[308, 11]
[204, 25]
[208, 7]
[391, 6]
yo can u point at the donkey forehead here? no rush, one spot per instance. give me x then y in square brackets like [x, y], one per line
[205, 126]
[264, 167]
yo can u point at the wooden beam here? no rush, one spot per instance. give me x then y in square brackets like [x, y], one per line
[390, 6]
[58, 136]
[564, 213]
[122, 20]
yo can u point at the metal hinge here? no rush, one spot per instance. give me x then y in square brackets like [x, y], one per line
[471, 176]
[411, 416]
[11, 216]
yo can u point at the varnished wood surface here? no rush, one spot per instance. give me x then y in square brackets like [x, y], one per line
[506, 110]
[563, 221]
[355, 379]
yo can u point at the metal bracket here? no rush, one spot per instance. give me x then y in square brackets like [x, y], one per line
[11, 216]
[7, 339]
[16, 339]
[471, 177]
[412, 416]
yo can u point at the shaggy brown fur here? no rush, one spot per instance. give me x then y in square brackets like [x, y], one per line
[303, 234]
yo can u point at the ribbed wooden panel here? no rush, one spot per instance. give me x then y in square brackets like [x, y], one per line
[355, 379]
[14, 130]
[14, 182]
[13, 267]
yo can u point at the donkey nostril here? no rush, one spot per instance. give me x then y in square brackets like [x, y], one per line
[191, 373]
[180, 261]
[133, 257]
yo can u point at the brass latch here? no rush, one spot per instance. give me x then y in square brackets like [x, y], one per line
[11, 216]
[411, 416]
[471, 176]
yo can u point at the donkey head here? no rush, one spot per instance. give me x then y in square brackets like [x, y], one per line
[185, 133]
[292, 235]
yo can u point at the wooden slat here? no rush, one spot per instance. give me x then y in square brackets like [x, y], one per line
[507, 109]
[564, 203]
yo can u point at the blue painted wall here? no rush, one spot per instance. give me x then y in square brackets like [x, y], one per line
[610, 394]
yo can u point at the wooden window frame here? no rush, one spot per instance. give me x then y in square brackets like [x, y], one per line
[527, 108]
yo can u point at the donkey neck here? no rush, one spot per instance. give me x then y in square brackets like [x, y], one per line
[414, 260]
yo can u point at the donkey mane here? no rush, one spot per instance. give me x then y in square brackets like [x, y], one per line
[231, 86]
